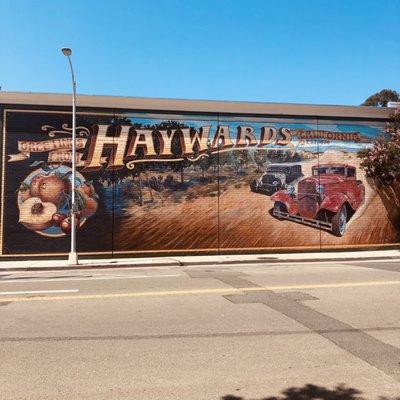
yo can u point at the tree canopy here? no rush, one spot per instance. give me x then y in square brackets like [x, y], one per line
[381, 99]
[382, 160]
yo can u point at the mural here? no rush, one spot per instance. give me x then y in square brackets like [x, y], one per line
[174, 183]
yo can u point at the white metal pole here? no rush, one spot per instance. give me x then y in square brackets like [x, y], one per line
[73, 255]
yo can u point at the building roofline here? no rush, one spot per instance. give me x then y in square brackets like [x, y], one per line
[194, 106]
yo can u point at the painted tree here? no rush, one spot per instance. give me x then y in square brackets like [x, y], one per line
[259, 159]
[178, 166]
[237, 161]
[205, 161]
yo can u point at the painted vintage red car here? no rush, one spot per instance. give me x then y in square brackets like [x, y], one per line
[326, 200]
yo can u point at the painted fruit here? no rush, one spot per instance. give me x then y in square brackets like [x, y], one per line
[87, 188]
[34, 187]
[57, 218]
[66, 224]
[24, 194]
[81, 190]
[35, 214]
[52, 187]
[91, 207]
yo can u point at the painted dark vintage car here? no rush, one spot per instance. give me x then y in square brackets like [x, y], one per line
[276, 177]
[326, 200]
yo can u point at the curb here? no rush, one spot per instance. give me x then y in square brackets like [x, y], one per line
[178, 263]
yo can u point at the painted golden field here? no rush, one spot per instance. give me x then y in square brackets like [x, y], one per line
[190, 219]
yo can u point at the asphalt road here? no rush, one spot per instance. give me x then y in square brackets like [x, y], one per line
[249, 331]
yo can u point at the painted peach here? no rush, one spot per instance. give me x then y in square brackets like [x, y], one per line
[88, 188]
[34, 187]
[35, 214]
[90, 209]
[66, 224]
[52, 188]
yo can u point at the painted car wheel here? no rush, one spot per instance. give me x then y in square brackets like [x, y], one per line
[254, 186]
[339, 221]
[279, 207]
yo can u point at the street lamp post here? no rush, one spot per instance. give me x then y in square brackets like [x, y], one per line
[73, 256]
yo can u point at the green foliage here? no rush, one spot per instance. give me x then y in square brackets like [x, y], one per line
[80, 201]
[382, 161]
[380, 99]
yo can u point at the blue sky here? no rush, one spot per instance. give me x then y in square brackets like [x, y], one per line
[314, 51]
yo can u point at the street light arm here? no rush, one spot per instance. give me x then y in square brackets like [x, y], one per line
[72, 75]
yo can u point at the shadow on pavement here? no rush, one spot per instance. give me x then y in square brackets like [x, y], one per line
[313, 392]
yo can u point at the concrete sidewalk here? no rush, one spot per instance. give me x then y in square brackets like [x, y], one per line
[178, 261]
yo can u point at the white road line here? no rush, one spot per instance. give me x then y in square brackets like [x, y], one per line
[97, 278]
[135, 277]
[41, 291]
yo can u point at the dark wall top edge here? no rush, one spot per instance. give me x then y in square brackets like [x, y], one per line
[200, 107]
[185, 112]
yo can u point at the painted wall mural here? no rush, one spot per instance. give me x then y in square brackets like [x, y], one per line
[180, 183]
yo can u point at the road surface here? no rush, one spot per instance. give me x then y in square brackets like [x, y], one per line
[201, 332]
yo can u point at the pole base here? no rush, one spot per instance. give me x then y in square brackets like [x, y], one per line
[73, 258]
